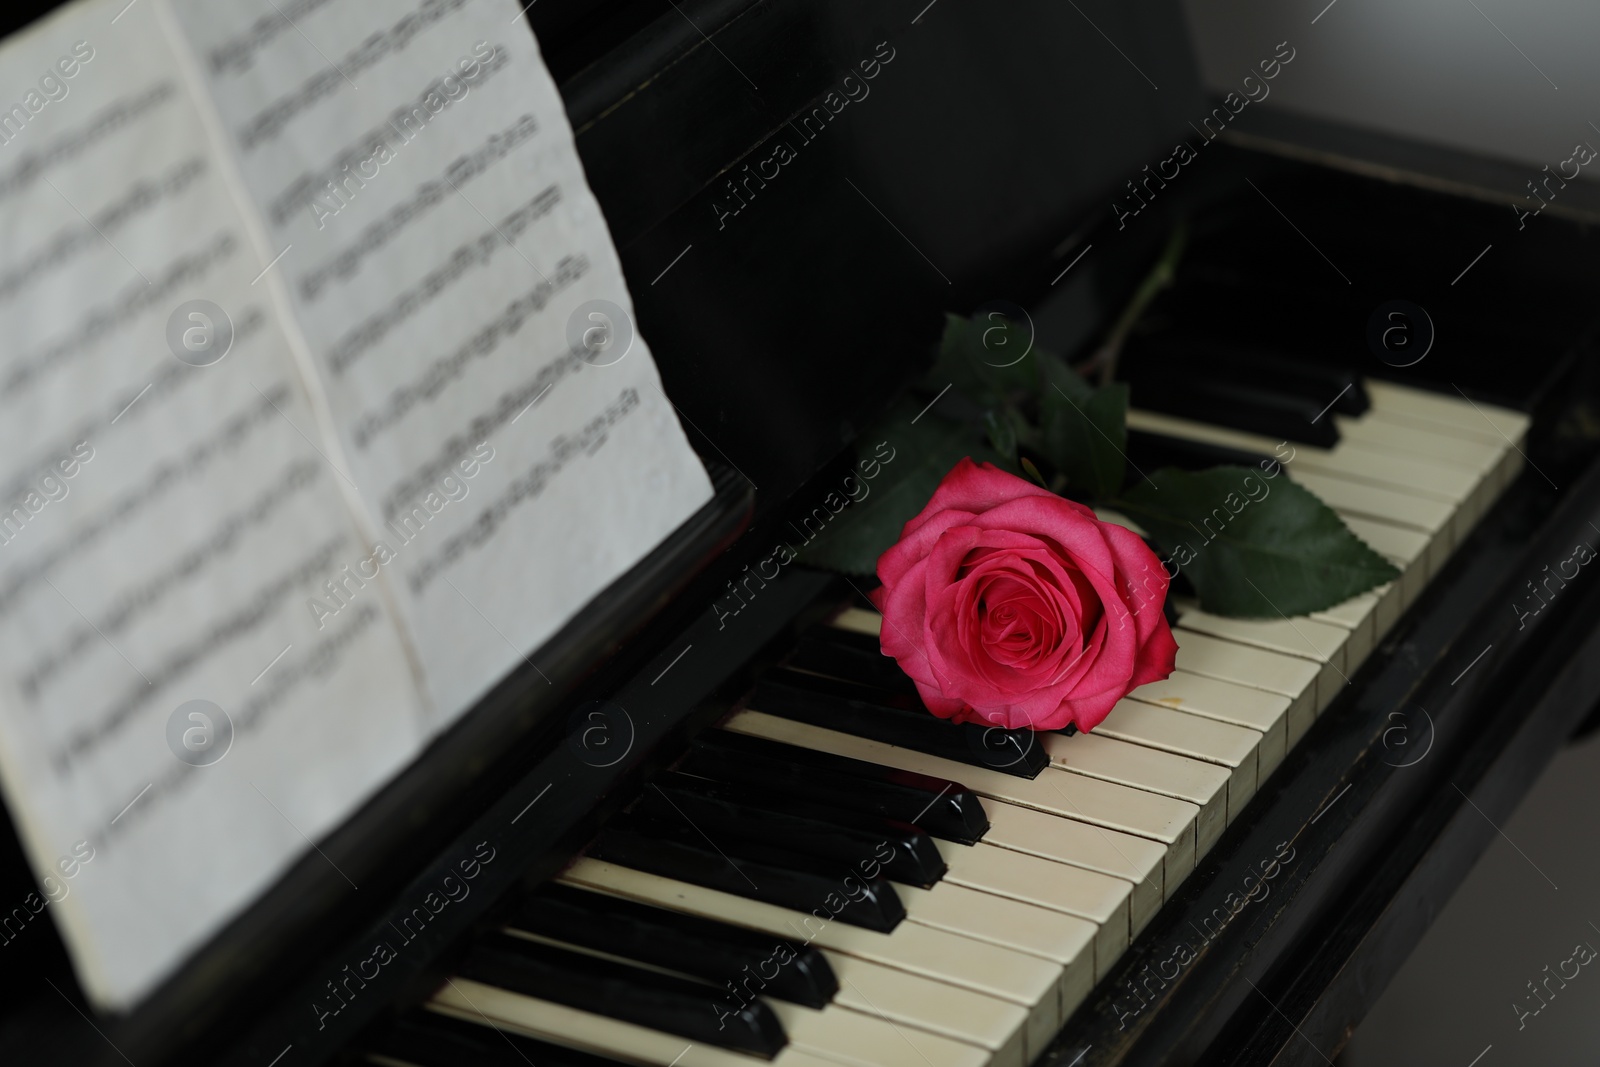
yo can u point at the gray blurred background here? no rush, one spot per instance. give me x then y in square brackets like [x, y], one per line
[1517, 81]
[1429, 70]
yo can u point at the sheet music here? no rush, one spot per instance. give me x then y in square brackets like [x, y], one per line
[419, 168]
[328, 472]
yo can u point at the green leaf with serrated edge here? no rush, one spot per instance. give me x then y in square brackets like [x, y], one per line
[984, 361]
[1253, 546]
[1082, 430]
[923, 453]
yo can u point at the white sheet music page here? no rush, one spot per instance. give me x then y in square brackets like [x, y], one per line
[290, 472]
[447, 263]
[163, 523]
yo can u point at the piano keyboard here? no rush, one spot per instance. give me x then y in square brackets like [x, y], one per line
[832, 877]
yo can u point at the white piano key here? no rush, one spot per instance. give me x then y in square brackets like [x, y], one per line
[924, 976]
[1396, 506]
[939, 1008]
[1378, 429]
[1487, 422]
[1406, 549]
[1484, 423]
[1193, 736]
[1359, 616]
[1149, 770]
[1478, 460]
[858, 1039]
[1044, 883]
[859, 620]
[1072, 796]
[1040, 833]
[1288, 676]
[558, 1024]
[1429, 478]
[1067, 940]
[1226, 702]
[1300, 636]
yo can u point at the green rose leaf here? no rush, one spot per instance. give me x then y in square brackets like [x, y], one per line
[924, 452]
[985, 361]
[1253, 546]
[1083, 430]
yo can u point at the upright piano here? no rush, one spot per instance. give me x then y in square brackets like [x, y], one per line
[721, 836]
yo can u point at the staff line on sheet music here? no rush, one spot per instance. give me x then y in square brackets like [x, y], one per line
[1069, 266]
[313, 45]
[274, 662]
[1502, 433]
[898, 230]
[132, 402]
[96, 229]
[90, 1021]
[97, 629]
[307, 840]
[497, 230]
[1471, 665]
[1299, 231]
[673, 664]
[1474, 262]
[713, 44]
[1502, 833]
[131, 803]
[532, 402]
[674, 263]
[1513, 44]
[1331, 803]
[495, 628]
[306, 439]
[1290, 1021]
[532, 802]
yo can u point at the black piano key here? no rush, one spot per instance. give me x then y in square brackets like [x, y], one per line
[895, 719]
[1196, 394]
[943, 808]
[428, 1039]
[851, 656]
[1284, 369]
[867, 902]
[704, 948]
[1148, 451]
[743, 820]
[697, 1011]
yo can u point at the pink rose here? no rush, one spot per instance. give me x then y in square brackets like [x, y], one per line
[1007, 604]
